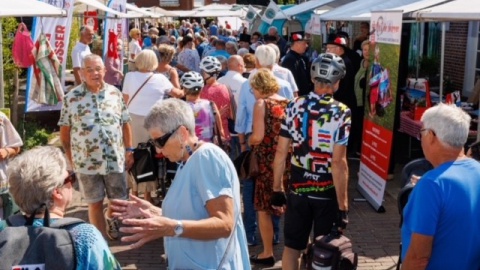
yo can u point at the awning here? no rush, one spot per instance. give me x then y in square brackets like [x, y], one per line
[140, 13]
[160, 11]
[301, 8]
[407, 9]
[459, 10]
[219, 13]
[29, 8]
[98, 5]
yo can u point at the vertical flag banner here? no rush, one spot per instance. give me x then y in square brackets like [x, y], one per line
[117, 26]
[251, 14]
[270, 12]
[90, 18]
[385, 37]
[57, 31]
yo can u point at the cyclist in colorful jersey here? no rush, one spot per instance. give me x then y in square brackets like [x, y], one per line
[316, 128]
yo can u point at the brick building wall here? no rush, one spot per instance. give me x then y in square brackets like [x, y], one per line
[230, 2]
[455, 52]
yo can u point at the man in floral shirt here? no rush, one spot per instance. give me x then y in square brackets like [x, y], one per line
[97, 138]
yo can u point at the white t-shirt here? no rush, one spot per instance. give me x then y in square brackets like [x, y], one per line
[133, 48]
[78, 53]
[234, 81]
[154, 90]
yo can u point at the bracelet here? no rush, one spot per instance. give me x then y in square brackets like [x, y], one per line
[129, 149]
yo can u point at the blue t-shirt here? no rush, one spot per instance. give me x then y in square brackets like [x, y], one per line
[445, 204]
[213, 30]
[208, 174]
[91, 248]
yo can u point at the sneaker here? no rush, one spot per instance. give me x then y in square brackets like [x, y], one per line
[112, 226]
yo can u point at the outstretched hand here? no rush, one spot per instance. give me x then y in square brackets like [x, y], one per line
[133, 208]
[145, 230]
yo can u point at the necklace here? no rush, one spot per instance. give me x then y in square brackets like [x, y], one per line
[190, 152]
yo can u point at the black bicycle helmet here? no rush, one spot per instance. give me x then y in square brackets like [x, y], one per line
[328, 68]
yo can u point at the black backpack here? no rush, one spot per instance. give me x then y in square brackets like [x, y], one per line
[332, 251]
[145, 166]
[27, 247]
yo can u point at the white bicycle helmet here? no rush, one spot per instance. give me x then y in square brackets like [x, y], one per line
[328, 68]
[210, 65]
[192, 80]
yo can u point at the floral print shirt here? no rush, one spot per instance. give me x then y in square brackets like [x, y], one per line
[190, 59]
[96, 122]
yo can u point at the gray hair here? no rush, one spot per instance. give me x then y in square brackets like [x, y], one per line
[277, 51]
[234, 44]
[450, 124]
[146, 60]
[222, 59]
[34, 175]
[265, 56]
[91, 57]
[167, 115]
[273, 28]
[242, 51]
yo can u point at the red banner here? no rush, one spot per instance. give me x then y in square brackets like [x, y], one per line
[376, 147]
[91, 18]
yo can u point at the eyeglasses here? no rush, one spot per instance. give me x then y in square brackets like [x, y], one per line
[71, 178]
[161, 141]
[419, 136]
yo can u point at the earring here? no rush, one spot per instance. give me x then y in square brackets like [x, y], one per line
[189, 149]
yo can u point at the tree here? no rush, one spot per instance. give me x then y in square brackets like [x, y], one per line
[9, 26]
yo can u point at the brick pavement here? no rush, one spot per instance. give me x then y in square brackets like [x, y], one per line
[375, 236]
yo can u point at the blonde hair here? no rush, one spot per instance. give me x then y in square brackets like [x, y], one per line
[133, 32]
[146, 60]
[264, 82]
[166, 53]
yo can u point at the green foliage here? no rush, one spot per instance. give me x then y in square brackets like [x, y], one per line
[74, 37]
[35, 135]
[429, 66]
[9, 27]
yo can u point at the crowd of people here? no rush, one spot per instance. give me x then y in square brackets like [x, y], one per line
[203, 95]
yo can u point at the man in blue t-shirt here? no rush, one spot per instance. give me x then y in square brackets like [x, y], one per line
[441, 218]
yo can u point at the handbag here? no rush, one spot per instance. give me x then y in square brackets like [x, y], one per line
[145, 167]
[217, 139]
[140, 88]
[332, 251]
[22, 47]
[246, 165]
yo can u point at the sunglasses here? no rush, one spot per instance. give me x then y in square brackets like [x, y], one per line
[71, 178]
[161, 141]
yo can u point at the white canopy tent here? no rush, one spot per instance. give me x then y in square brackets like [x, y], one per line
[29, 8]
[87, 5]
[160, 11]
[140, 13]
[407, 9]
[458, 10]
[309, 6]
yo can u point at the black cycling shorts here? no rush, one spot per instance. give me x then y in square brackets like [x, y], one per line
[302, 212]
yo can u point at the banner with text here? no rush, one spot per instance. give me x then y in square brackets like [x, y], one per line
[117, 26]
[57, 31]
[385, 37]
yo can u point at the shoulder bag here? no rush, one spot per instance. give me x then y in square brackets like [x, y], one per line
[140, 88]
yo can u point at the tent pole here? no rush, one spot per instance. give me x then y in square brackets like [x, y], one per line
[2, 84]
[442, 62]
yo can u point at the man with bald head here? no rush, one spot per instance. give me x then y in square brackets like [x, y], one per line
[81, 50]
[233, 79]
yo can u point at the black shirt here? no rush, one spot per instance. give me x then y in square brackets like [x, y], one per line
[300, 68]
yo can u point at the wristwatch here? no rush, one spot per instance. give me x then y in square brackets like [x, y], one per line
[178, 228]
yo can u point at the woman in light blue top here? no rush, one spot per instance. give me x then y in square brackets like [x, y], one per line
[200, 220]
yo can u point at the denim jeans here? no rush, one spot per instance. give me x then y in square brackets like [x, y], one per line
[234, 147]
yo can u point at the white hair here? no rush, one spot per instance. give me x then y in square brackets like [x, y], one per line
[167, 115]
[242, 51]
[450, 124]
[91, 57]
[265, 56]
[273, 28]
[277, 50]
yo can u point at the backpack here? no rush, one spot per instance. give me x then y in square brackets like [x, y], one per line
[333, 252]
[26, 247]
[23, 47]
[145, 167]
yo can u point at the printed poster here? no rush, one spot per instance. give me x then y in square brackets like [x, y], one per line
[385, 38]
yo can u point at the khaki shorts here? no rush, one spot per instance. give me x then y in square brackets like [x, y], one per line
[95, 187]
